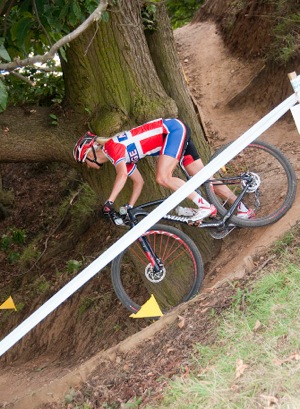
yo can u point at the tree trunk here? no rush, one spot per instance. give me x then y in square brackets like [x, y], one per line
[110, 74]
[114, 80]
[168, 67]
[127, 78]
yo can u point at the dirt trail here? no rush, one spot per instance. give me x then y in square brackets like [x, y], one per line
[214, 78]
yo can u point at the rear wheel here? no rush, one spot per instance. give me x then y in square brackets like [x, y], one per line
[274, 188]
[179, 280]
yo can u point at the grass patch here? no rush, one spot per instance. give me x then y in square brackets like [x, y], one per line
[255, 362]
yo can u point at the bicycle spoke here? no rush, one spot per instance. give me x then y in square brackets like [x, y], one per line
[179, 279]
[274, 180]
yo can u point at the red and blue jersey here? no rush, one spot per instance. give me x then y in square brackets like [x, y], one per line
[157, 137]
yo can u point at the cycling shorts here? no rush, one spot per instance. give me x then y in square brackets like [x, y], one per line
[174, 138]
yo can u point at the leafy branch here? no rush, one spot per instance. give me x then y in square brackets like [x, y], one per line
[95, 16]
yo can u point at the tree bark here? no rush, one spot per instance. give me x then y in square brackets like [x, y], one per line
[168, 67]
[114, 80]
[110, 73]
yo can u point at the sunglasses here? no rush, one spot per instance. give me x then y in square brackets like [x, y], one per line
[95, 158]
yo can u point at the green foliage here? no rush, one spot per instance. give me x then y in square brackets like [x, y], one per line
[32, 28]
[18, 236]
[29, 30]
[72, 399]
[239, 298]
[48, 87]
[20, 306]
[73, 266]
[13, 256]
[149, 17]
[85, 304]
[284, 26]
[41, 285]
[54, 119]
[5, 242]
[28, 257]
[3, 96]
[281, 246]
[83, 206]
[12, 244]
[3, 52]
[287, 34]
[182, 11]
[134, 403]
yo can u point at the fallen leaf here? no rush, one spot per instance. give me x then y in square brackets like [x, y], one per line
[271, 400]
[293, 357]
[257, 325]
[181, 322]
[240, 368]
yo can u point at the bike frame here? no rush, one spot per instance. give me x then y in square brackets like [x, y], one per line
[224, 223]
[137, 211]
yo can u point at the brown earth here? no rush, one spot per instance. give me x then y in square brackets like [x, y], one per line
[112, 371]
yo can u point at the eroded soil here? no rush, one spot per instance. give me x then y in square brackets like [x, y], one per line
[141, 363]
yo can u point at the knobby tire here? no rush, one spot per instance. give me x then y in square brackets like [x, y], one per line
[183, 264]
[277, 190]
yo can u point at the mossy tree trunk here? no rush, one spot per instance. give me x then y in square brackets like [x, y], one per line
[123, 75]
[117, 75]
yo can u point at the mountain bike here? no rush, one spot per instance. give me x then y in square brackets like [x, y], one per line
[165, 262]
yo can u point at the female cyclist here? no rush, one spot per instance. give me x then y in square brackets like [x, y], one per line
[169, 139]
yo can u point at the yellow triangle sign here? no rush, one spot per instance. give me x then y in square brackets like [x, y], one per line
[149, 309]
[8, 305]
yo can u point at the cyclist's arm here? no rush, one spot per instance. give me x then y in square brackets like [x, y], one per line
[120, 181]
[138, 183]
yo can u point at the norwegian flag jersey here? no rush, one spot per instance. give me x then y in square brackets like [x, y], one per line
[161, 136]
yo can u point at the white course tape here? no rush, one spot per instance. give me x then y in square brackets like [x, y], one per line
[295, 110]
[172, 201]
[296, 83]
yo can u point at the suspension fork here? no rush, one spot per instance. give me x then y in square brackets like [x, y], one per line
[150, 254]
[145, 244]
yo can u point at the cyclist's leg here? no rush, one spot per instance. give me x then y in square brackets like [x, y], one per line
[193, 164]
[170, 154]
[221, 190]
[164, 173]
[174, 143]
[164, 177]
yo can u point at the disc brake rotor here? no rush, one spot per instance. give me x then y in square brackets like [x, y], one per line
[255, 183]
[154, 276]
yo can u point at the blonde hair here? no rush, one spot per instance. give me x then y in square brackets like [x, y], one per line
[101, 140]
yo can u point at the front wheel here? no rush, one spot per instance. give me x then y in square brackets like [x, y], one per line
[274, 184]
[181, 274]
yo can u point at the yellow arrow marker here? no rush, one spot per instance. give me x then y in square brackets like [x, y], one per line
[8, 305]
[148, 310]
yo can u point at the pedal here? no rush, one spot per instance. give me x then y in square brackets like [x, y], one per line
[220, 234]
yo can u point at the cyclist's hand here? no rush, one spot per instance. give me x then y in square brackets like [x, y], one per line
[124, 209]
[108, 209]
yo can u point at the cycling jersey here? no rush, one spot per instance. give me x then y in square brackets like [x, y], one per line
[157, 137]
